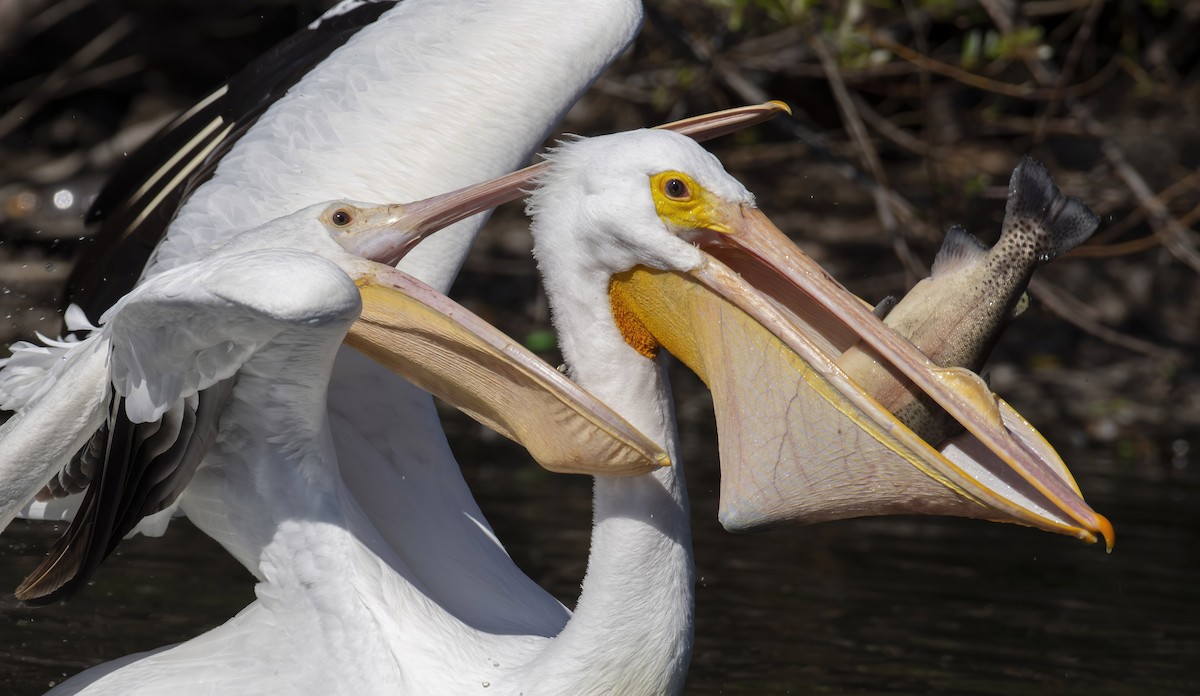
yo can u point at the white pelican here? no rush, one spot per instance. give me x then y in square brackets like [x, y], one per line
[432, 95]
[377, 101]
[174, 379]
[186, 353]
[339, 610]
[354, 619]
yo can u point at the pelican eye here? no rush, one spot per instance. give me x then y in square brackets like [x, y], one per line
[676, 189]
[683, 203]
[341, 217]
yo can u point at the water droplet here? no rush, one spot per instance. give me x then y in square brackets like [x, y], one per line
[1179, 450]
[486, 684]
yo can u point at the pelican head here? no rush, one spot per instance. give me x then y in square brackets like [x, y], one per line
[643, 237]
[607, 209]
[441, 347]
[646, 235]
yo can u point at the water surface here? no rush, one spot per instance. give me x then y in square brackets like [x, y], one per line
[889, 605]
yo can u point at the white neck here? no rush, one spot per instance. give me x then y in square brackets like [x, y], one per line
[632, 628]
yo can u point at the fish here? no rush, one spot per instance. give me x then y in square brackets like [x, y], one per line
[956, 315]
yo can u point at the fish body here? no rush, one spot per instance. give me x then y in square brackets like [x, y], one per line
[956, 315]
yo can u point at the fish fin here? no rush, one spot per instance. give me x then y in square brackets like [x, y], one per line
[885, 306]
[960, 249]
[1022, 304]
[1033, 196]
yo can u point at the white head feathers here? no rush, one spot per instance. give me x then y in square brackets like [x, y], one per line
[593, 208]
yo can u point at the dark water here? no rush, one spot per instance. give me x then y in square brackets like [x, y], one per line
[866, 607]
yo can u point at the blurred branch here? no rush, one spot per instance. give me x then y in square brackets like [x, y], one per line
[63, 74]
[987, 84]
[22, 19]
[1049, 8]
[891, 131]
[1105, 251]
[881, 192]
[1070, 309]
[1074, 54]
[1137, 215]
[1174, 236]
[1002, 13]
[1183, 33]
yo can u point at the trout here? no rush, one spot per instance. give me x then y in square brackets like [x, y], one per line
[956, 315]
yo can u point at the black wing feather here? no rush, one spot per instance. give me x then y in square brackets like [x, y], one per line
[73, 557]
[146, 467]
[141, 199]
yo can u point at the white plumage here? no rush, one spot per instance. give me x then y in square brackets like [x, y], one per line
[435, 94]
[378, 573]
[432, 96]
[341, 610]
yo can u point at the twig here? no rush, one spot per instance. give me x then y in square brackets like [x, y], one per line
[1157, 53]
[1173, 235]
[1002, 13]
[987, 84]
[1105, 251]
[1047, 8]
[1071, 310]
[882, 192]
[1166, 196]
[925, 83]
[891, 131]
[62, 75]
[1070, 63]
[54, 13]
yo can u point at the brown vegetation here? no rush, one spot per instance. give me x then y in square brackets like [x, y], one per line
[909, 116]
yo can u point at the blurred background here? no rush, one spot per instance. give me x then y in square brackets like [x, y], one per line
[909, 117]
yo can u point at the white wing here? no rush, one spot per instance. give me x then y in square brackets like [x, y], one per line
[40, 439]
[189, 328]
[151, 383]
